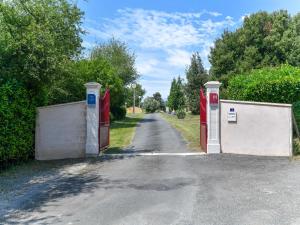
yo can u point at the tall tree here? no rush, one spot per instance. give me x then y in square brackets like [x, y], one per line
[196, 76]
[121, 58]
[157, 97]
[171, 97]
[176, 98]
[139, 94]
[37, 39]
[265, 39]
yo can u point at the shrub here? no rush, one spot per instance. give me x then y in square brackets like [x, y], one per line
[151, 105]
[118, 112]
[271, 84]
[17, 113]
[180, 114]
[277, 84]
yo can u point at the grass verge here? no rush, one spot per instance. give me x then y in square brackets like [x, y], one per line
[189, 127]
[122, 131]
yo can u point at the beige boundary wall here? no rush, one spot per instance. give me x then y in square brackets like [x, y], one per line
[61, 131]
[260, 129]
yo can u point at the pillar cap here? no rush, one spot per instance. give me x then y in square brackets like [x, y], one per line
[212, 84]
[93, 85]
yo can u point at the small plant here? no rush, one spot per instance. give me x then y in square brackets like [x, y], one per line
[296, 147]
[180, 114]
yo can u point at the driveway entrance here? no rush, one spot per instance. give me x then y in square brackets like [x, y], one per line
[160, 189]
[156, 135]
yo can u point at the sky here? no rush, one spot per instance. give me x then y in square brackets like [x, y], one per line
[163, 34]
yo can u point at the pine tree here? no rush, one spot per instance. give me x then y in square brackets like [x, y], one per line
[196, 76]
[171, 95]
[176, 99]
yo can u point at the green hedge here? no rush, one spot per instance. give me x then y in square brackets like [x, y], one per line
[17, 121]
[272, 84]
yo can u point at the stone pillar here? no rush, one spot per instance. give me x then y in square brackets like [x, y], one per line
[92, 118]
[213, 116]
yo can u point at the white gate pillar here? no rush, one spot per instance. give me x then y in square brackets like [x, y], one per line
[92, 118]
[213, 116]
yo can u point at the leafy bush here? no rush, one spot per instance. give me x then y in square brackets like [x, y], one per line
[118, 112]
[151, 105]
[271, 84]
[180, 114]
[17, 122]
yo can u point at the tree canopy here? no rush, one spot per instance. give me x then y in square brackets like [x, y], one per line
[120, 57]
[139, 93]
[265, 39]
[37, 38]
[157, 97]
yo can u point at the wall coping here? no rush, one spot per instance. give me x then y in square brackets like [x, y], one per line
[257, 103]
[59, 105]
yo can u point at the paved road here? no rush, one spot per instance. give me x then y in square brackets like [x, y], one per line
[161, 190]
[154, 134]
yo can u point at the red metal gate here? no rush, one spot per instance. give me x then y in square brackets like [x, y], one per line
[104, 122]
[203, 122]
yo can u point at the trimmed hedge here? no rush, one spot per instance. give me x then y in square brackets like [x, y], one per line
[271, 84]
[17, 121]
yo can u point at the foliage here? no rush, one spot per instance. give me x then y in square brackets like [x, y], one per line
[71, 88]
[176, 98]
[157, 97]
[296, 147]
[120, 57]
[196, 77]
[265, 39]
[118, 112]
[296, 111]
[17, 113]
[279, 84]
[37, 38]
[180, 114]
[150, 105]
[139, 94]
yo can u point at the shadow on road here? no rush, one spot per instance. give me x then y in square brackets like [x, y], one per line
[28, 188]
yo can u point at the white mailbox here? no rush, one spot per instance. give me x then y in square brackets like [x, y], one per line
[231, 115]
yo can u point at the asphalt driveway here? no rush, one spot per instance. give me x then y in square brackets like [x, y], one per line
[158, 189]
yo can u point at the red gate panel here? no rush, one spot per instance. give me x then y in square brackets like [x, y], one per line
[104, 121]
[203, 121]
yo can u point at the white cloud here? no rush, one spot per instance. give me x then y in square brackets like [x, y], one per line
[179, 58]
[145, 66]
[215, 14]
[243, 17]
[158, 29]
[163, 41]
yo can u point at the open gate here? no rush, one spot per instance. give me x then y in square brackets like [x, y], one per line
[203, 121]
[104, 121]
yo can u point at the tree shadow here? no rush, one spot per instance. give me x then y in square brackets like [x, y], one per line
[47, 183]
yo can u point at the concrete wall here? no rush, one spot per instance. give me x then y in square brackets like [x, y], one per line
[61, 131]
[261, 128]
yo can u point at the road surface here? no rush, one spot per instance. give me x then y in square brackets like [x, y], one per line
[158, 189]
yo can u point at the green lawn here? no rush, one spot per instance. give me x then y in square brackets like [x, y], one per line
[189, 128]
[122, 131]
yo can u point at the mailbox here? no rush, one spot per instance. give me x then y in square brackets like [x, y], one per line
[91, 99]
[213, 98]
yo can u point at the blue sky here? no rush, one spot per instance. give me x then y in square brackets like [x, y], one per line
[163, 34]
